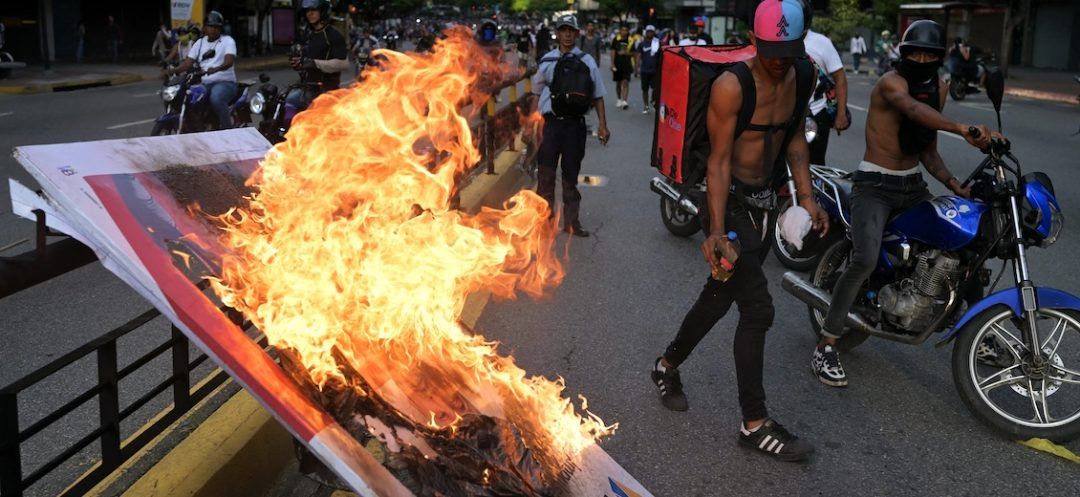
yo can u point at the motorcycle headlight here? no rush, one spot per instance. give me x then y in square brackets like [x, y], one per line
[1057, 220]
[811, 129]
[169, 93]
[257, 102]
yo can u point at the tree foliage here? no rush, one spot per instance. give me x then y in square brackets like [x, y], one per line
[846, 15]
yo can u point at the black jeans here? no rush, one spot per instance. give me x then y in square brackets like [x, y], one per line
[748, 289]
[820, 145]
[565, 139]
[872, 204]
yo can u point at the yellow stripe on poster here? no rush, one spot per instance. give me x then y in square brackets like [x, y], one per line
[1044, 445]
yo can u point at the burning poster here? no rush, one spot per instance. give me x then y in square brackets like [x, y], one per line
[341, 246]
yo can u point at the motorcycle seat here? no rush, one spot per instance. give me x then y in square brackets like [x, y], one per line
[244, 83]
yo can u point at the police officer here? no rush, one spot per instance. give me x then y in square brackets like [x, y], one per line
[324, 56]
[564, 135]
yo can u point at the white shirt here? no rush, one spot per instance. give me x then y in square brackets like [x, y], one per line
[687, 42]
[820, 48]
[858, 45]
[223, 46]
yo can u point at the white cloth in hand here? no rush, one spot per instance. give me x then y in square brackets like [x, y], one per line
[794, 224]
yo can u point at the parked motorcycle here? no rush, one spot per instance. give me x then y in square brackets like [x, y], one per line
[188, 109]
[1011, 361]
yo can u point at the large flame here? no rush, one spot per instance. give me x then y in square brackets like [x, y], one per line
[350, 248]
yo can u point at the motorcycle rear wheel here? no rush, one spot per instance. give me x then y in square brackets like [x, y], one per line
[829, 268]
[957, 88]
[1027, 389]
[678, 221]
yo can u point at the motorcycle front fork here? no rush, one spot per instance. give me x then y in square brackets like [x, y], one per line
[1027, 290]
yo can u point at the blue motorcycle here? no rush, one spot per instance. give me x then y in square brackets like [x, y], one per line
[1016, 357]
[187, 106]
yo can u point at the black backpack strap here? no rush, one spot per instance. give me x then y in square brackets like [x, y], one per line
[749, 97]
[804, 80]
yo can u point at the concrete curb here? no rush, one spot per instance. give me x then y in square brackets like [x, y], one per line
[112, 80]
[241, 449]
[1042, 95]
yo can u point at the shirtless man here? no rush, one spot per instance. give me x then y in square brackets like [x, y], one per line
[740, 192]
[901, 132]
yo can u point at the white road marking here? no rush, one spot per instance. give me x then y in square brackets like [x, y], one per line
[952, 135]
[2, 114]
[856, 107]
[141, 95]
[133, 123]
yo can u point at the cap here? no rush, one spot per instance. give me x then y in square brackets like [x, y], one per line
[566, 20]
[650, 28]
[779, 28]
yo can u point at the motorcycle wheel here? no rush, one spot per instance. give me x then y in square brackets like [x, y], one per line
[829, 268]
[678, 221]
[160, 129]
[788, 255]
[957, 89]
[1016, 400]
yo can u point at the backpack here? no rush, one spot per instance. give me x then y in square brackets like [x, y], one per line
[571, 87]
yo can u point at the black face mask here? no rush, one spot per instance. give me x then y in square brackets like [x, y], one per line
[918, 72]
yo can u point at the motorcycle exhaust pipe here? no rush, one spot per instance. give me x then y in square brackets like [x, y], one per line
[814, 297]
[663, 188]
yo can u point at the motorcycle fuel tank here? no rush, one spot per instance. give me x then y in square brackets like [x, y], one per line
[948, 222]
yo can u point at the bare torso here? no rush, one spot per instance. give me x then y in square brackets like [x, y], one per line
[775, 105]
[883, 127]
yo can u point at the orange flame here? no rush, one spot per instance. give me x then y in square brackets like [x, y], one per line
[350, 246]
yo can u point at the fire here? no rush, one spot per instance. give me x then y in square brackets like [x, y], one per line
[349, 251]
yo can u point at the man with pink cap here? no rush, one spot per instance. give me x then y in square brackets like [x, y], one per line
[755, 121]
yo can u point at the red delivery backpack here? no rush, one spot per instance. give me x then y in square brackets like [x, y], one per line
[680, 139]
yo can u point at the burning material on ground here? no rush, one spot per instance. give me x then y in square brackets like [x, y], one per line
[343, 249]
[351, 260]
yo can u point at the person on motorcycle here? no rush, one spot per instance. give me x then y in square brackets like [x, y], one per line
[323, 56]
[362, 46]
[901, 131]
[215, 54]
[961, 61]
[739, 177]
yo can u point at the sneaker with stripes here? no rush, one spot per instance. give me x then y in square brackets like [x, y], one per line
[774, 440]
[670, 385]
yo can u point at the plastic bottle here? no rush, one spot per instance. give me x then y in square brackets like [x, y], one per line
[728, 254]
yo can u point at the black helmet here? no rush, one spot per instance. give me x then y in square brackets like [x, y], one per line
[322, 5]
[925, 35]
[488, 32]
[214, 18]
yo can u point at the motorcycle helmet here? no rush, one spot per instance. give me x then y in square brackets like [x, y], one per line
[925, 35]
[885, 33]
[487, 33]
[322, 5]
[214, 18]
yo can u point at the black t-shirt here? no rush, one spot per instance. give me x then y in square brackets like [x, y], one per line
[325, 45]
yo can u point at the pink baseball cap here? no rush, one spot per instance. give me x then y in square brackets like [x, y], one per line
[779, 27]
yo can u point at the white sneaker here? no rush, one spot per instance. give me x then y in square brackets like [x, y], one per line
[645, 110]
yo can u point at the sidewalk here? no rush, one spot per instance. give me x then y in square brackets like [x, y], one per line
[1039, 84]
[69, 76]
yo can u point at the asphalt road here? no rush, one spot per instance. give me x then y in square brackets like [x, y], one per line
[41, 323]
[899, 429]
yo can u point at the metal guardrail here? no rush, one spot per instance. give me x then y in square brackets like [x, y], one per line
[107, 390]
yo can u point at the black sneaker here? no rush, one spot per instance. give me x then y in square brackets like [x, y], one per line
[774, 440]
[671, 394]
[576, 230]
[825, 364]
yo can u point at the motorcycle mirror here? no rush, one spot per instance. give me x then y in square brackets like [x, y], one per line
[995, 88]
[263, 77]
